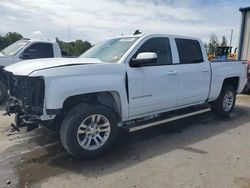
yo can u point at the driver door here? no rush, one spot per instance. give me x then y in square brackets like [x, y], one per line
[153, 88]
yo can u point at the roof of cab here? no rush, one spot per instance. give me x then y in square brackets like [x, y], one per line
[158, 34]
[37, 40]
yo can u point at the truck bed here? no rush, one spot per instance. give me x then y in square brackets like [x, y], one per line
[226, 69]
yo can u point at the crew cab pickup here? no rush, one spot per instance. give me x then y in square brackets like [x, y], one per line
[22, 50]
[121, 82]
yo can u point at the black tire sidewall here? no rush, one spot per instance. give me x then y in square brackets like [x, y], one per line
[217, 106]
[71, 123]
[247, 89]
[4, 92]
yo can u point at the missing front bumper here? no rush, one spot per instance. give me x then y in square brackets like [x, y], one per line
[24, 119]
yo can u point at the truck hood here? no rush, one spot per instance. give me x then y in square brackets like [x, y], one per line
[27, 67]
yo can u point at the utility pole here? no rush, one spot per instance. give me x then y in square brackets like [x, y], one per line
[69, 32]
[231, 37]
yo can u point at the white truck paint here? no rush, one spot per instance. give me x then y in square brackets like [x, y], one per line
[13, 53]
[138, 90]
[189, 86]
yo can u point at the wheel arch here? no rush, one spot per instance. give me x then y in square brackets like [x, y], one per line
[233, 81]
[110, 99]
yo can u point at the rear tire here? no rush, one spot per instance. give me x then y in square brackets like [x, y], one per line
[246, 89]
[87, 131]
[3, 91]
[225, 102]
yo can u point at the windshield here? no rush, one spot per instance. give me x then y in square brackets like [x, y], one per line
[14, 48]
[111, 50]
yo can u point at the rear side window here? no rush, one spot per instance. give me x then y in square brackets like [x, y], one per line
[161, 47]
[40, 50]
[189, 51]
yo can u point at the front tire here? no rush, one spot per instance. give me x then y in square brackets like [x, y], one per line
[3, 91]
[225, 102]
[87, 131]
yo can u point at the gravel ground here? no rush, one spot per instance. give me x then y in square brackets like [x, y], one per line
[203, 151]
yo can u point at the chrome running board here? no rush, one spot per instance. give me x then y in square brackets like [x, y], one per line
[136, 128]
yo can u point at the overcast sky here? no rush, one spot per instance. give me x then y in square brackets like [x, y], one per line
[96, 20]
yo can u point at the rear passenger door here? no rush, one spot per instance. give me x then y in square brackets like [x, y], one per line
[193, 72]
[153, 88]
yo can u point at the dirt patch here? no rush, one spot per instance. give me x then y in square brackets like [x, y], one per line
[242, 182]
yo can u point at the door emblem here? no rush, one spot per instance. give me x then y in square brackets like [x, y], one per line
[141, 96]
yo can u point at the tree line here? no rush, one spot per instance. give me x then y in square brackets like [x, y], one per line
[74, 48]
[214, 43]
[8, 39]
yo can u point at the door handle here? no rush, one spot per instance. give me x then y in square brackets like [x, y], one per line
[171, 72]
[204, 70]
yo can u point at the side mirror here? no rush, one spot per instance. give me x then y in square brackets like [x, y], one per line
[25, 55]
[29, 54]
[144, 59]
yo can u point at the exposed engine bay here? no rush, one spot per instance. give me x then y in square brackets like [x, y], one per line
[26, 100]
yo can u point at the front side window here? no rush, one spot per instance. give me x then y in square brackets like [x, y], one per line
[111, 50]
[38, 50]
[189, 51]
[161, 47]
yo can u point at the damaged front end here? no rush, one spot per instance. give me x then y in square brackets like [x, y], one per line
[26, 101]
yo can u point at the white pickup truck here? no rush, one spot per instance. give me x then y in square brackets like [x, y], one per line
[122, 82]
[22, 50]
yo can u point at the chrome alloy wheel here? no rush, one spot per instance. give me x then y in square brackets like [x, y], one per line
[228, 101]
[93, 132]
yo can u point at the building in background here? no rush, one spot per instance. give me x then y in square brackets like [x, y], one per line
[244, 43]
